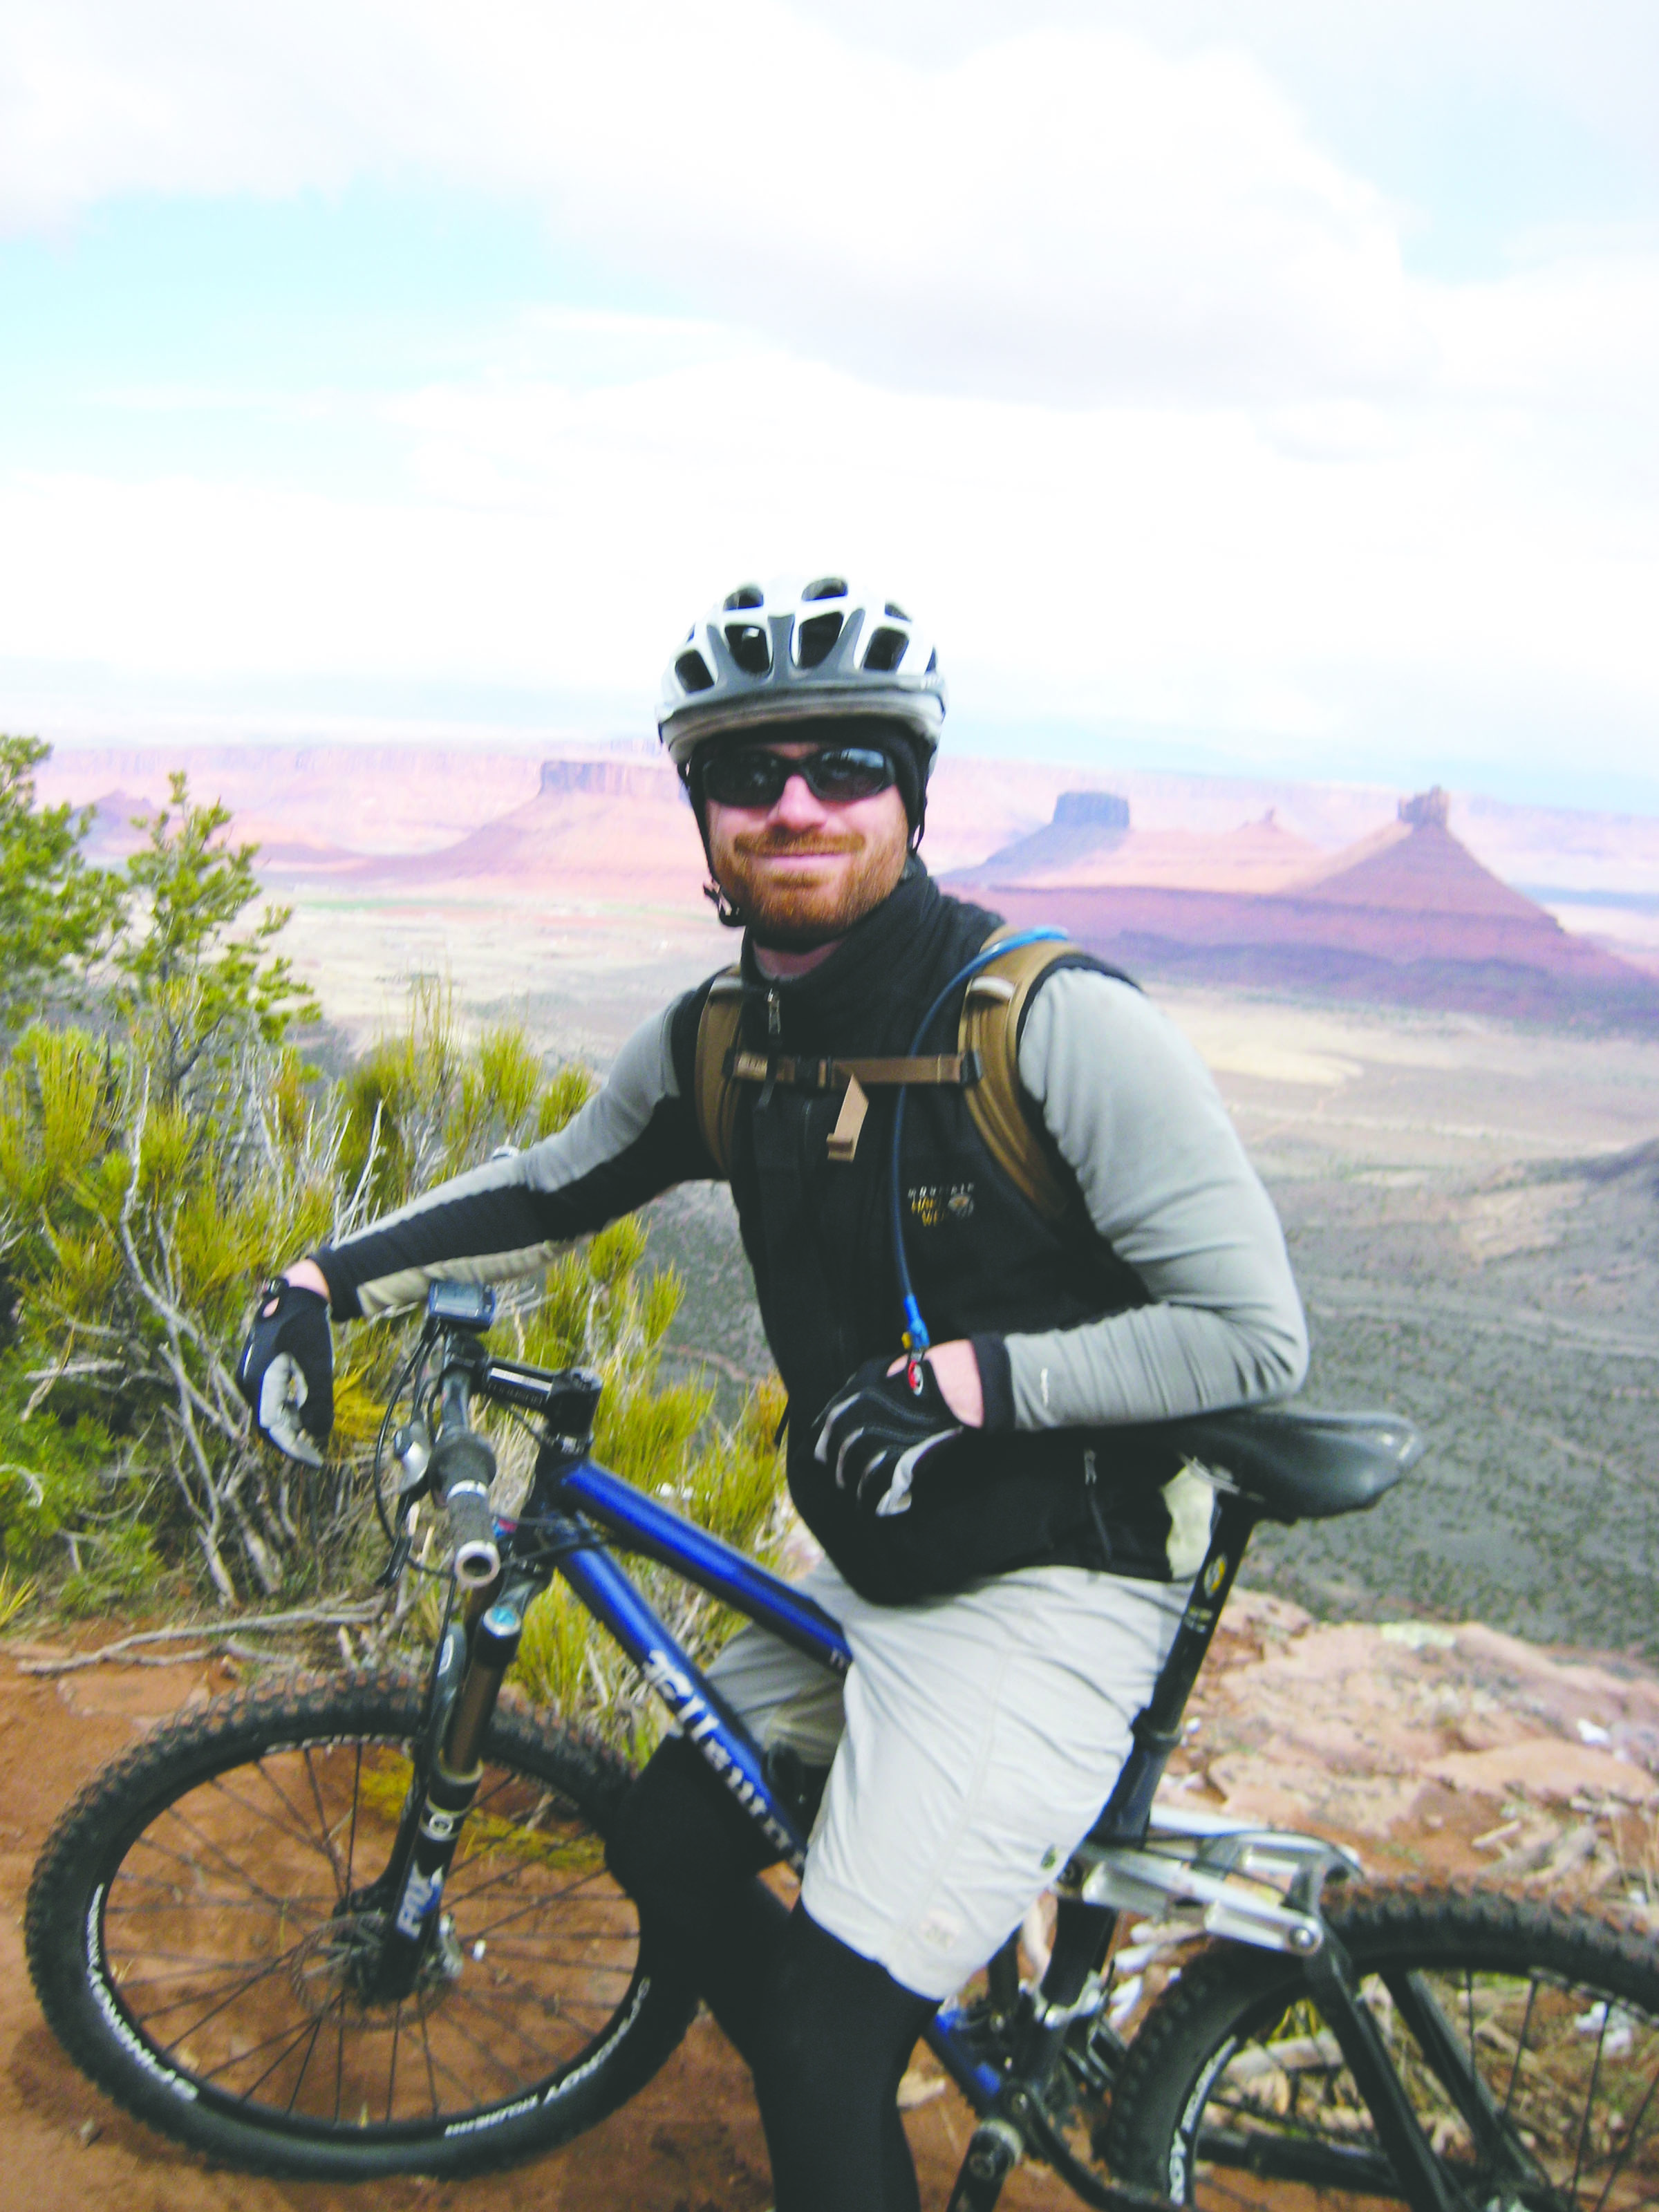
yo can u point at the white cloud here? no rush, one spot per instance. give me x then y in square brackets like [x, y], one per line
[1064, 214]
[1142, 566]
[1091, 346]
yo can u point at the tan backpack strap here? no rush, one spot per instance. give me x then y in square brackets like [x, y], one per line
[715, 1095]
[798, 1074]
[990, 1027]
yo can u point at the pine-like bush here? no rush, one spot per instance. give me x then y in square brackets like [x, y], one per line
[159, 1161]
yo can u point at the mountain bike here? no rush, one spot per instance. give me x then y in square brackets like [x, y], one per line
[357, 1926]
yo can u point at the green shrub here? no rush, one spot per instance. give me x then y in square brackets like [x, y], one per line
[55, 912]
[153, 1171]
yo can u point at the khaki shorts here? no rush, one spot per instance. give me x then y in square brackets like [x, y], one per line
[973, 1743]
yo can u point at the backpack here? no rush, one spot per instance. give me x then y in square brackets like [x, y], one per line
[986, 1064]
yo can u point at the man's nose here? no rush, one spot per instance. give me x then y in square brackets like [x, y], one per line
[797, 807]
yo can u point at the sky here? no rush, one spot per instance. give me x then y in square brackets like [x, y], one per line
[1262, 387]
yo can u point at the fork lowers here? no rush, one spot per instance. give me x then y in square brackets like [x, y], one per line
[451, 1787]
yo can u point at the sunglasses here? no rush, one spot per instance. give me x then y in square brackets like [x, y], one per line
[835, 773]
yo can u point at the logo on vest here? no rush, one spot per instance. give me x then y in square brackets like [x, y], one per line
[930, 1203]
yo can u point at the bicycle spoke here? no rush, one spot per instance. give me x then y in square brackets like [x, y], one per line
[316, 2037]
[516, 1782]
[536, 1904]
[207, 1841]
[183, 1959]
[557, 1952]
[351, 1840]
[288, 2036]
[230, 1997]
[426, 2046]
[1519, 2046]
[1590, 2101]
[172, 1901]
[339, 2061]
[510, 1872]
[391, 2063]
[1632, 2134]
[466, 2036]
[300, 1832]
[328, 1834]
[149, 2018]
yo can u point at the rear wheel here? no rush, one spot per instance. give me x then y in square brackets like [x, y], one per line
[1527, 2040]
[201, 1920]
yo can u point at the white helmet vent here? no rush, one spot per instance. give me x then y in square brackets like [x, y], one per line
[815, 639]
[785, 653]
[750, 647]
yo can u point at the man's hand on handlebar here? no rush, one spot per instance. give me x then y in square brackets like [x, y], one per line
[286, 1370]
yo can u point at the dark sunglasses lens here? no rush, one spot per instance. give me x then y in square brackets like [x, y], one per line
[849, 772]
[839, 773]
[747, 779]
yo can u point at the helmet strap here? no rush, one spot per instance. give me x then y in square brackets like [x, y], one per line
[730, 916]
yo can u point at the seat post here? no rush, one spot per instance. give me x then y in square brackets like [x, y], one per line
[1157, 1727]
[1084, 1932]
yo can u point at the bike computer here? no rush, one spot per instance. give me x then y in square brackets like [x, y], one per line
[461, 1305]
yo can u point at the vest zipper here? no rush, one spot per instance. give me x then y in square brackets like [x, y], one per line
[1090, 1484]
[773, 1031]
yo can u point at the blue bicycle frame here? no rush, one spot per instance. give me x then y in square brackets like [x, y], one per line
[704, 1718]
[641, 1524]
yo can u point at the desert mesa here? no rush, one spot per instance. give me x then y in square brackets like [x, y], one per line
[1342, 891]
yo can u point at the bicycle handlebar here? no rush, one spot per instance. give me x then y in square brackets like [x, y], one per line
[463, 1468]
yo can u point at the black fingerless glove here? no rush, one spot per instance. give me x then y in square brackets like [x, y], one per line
[286, 1371]
[879, 1428]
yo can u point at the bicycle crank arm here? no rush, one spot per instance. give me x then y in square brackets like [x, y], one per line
[1016, 2122]
[452, 1785]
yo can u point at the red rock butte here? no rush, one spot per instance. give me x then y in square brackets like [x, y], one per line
[1406, 913]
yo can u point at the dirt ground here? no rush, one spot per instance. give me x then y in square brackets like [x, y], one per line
[1435, 1752]
[690, 2142]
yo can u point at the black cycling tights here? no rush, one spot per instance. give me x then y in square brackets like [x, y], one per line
[825, 2033]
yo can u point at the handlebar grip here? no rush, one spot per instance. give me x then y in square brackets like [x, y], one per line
[463, 1468]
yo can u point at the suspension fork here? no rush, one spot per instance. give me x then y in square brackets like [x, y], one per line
[471, 1663]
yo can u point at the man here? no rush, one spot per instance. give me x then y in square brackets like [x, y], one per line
[1006, 1556]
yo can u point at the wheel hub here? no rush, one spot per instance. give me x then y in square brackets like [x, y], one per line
[338, 1963]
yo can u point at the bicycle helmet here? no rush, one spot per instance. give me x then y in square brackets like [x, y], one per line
[785, 655]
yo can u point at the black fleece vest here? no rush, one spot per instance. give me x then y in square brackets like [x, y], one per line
[818, 1236]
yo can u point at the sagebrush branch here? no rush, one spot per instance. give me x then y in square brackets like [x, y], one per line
[217, 1633]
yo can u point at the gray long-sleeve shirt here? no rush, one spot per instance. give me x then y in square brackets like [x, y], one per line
[1134, 1114]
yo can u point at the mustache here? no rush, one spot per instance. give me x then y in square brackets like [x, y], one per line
[764, 844]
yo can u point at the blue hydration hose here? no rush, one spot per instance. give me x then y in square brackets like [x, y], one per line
[916, 1339]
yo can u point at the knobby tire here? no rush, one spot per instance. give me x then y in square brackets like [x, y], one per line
[1528, 2037]
[197, 1924]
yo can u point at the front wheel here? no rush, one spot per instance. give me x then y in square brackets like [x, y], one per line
[1527, 2040]
[203, 1922]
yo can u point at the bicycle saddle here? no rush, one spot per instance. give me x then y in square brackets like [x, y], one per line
[1303, 1465]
